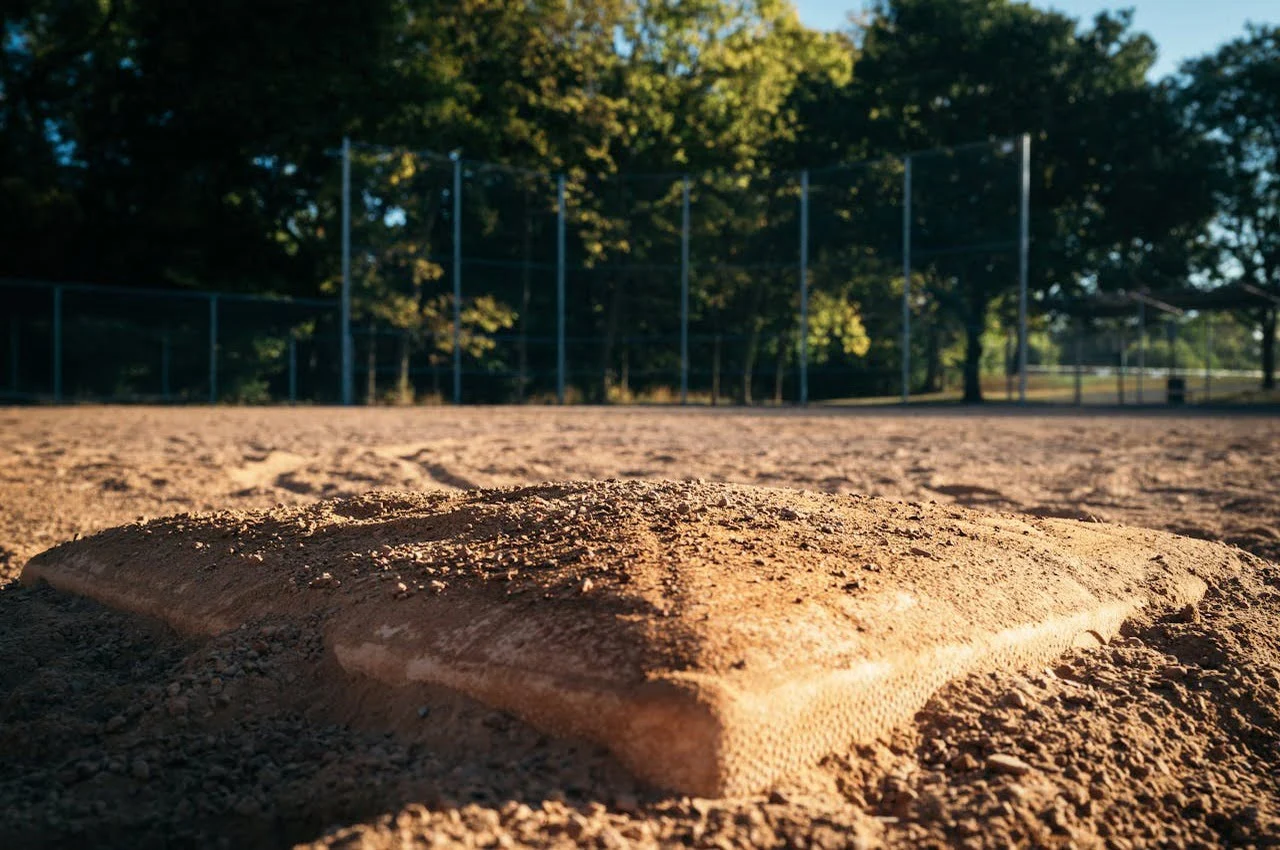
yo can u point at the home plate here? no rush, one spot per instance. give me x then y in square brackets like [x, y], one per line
[712, 637]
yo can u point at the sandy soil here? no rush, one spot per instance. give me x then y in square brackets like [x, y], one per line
[116, 731]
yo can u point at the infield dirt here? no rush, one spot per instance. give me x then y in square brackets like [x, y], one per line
[122, 732]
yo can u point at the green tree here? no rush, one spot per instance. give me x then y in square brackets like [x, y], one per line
[1232, 98]
[1114, 174]
[172, 140]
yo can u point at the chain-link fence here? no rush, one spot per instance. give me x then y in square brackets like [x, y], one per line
[1150, 356]
[475, 282]
[81, 343]
[471, 282]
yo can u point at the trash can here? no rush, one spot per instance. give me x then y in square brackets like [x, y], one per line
[1177, 391]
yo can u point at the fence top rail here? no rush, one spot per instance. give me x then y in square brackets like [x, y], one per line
[103, 289]
[1231, 296]
[1005, 145]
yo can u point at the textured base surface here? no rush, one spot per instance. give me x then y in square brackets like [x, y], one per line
[712, 637]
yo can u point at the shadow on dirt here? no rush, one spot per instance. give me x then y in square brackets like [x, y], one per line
[116, 732]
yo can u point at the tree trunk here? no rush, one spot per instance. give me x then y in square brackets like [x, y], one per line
[749, 361]
[753, 343]
[625, 379]
[526, 295]
[610, 334]
[371, 388]
[715, 372]
[973, 360]
[403, 388]
[779, 374]
[1269, 349]
[933, 359]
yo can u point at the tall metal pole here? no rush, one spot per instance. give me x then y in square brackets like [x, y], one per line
[906, 280]
[1024, 253]
[804, 287]
[457, 279]
[684, 292]
[213, 349]
[344, 329]
[57, 344]
[1142, 346]
[560, 261]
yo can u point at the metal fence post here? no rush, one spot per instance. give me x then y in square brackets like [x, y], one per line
[1024, 252]
[684, 292]
[1208, 355]
[1142, 347]
[906, 280]
[213, 349]
[1124, 363]
[347, 344]
[1008, 364]
[457, 278]
[1079, 363]
[804, 287]
[560, 261]
[57, 344]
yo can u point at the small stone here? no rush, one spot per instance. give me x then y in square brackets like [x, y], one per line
[921, 553]
[577, 826]
[115, 723]
[1189, 614]
[139, 769]
[587, 584]
[178, 706]
[788, 514]
[778, 798]
[1017, 699]
[611, 839]
[1004, 763]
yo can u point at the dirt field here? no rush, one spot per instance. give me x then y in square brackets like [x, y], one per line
[116, 732]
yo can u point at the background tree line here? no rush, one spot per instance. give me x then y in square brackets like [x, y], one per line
[190, 145]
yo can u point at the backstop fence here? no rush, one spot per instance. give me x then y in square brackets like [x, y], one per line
[474, 282]
[465, 281]
[84, 343]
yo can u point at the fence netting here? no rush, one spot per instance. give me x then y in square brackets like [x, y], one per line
[81, 343]
[480, 283]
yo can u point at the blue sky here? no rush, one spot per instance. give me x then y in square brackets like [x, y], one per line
[1182, 28]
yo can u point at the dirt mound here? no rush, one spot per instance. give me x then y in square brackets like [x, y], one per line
[712, 637]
